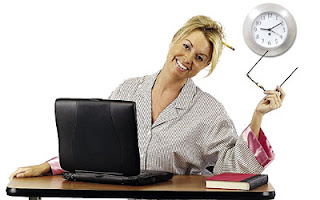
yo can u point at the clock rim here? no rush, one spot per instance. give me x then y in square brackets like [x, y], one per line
[285, 14]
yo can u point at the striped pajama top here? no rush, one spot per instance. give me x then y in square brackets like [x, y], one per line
[192, 133]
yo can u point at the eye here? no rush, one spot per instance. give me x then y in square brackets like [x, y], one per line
[199, 58]
[186, 46]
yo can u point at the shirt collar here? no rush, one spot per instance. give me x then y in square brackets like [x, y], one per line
[186, 95]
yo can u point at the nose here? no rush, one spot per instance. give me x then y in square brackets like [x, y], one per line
[188, 58]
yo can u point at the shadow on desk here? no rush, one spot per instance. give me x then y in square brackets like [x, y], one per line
[180, 186]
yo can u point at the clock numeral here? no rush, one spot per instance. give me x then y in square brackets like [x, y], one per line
[284, 30]
[258, 23]
[263, 17]
[281, 36]
[262, 40]
[257, 36]
[276, 40]
[269, 43]
[255, 29]
[269, 15]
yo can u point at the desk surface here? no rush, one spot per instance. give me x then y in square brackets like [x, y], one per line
[181, 186]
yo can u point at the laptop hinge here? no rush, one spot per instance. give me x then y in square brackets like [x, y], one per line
[97, 174]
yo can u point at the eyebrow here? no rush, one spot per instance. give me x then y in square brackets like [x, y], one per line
[190, 42]
[199, 53]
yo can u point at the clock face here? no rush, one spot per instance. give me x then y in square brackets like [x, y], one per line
[269, 30]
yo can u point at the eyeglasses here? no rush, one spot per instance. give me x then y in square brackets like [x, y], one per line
[260, 86]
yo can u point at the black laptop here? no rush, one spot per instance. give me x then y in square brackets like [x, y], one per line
[98, 142]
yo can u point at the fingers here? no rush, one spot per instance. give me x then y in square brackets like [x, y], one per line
[283, 94]
[273, 101]
[273, 93]
[277, 91]
[20, 173]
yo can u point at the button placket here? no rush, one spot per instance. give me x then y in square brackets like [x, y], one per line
[149, 136]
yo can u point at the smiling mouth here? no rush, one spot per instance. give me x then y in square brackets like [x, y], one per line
[181, 65]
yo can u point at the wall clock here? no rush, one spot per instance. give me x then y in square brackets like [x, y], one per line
[269, 27]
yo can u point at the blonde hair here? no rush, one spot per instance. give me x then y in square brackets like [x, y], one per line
[211, 29]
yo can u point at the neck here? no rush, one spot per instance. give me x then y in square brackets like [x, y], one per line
[165, 83]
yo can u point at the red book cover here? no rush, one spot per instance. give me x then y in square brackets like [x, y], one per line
[230, 177]
[236, 181]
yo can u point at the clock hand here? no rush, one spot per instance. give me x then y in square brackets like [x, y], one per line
[275, 26]
[276, 33]
[270, 29]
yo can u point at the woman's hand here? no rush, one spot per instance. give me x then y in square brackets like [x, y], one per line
[271, 101]
[36, 170]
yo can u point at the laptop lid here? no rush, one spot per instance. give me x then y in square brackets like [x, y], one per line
[98, 135]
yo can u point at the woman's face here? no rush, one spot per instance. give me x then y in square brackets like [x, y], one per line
[188, 56]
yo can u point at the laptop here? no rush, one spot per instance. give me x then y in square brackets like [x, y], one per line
[98, 142]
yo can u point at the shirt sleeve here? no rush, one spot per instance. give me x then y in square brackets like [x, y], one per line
[230, 153]
[260, 147]
[55, 166]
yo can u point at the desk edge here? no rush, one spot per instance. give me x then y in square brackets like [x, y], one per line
[137, 194]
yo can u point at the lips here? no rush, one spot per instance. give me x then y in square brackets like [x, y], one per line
[181, 65]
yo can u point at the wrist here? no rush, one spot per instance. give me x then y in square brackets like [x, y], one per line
[256, 122]
[258, 114]
[45, 167]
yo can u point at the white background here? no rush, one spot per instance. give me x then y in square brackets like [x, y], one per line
[51, 49]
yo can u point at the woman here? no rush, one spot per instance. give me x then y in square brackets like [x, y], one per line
[181, 128]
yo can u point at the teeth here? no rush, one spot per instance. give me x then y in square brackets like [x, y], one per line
[181, 65]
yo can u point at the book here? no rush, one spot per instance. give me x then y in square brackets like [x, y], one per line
[236, 181]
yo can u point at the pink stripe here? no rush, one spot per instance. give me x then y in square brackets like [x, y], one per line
[261, 147]
[55, 166]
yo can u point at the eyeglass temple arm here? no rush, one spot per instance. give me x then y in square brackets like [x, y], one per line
[260, 86]
[288, 76]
